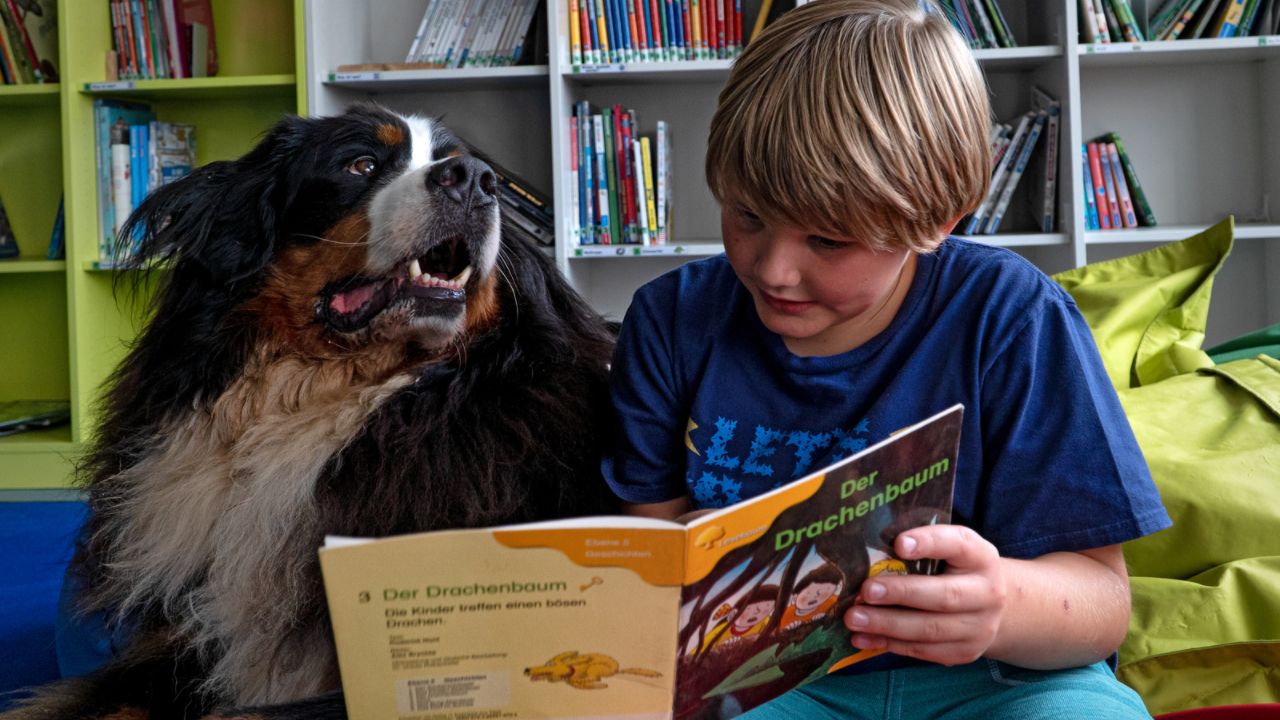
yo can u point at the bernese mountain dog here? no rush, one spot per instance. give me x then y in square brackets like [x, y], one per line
[342, 342]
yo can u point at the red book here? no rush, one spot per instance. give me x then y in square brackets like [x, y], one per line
[200, 12]
[655, 13]
[1099, 185]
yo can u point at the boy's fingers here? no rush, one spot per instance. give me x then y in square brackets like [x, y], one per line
[947, 653]
[915, 626]
[960, 546]
[936, 593]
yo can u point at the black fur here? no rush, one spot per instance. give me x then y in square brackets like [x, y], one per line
[504, 430]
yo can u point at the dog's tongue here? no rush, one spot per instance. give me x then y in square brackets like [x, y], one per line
[352, 300]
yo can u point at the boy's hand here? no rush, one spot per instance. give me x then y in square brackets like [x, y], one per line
[951, 618]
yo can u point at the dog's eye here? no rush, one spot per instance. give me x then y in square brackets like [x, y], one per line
[364, 165]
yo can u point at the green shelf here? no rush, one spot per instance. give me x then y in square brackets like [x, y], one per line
[21, 266]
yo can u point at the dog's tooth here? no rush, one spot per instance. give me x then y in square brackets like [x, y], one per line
[415, 270]
[463, 276]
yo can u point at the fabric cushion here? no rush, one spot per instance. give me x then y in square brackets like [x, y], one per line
[1148, 311]
[1259, 342]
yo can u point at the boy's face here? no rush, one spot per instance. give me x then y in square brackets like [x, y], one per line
[822, 295]
[753, 613]
[814, 595]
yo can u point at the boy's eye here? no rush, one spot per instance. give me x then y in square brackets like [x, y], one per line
[749, 217]
[826, 243]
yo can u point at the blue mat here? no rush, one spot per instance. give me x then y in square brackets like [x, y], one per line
[36, 542]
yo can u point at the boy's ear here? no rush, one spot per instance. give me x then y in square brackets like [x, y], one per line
[950, 226]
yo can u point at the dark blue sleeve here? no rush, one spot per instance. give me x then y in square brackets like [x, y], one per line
[643, 457]
[1063, 469]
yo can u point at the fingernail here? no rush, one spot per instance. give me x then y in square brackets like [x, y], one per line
[908, 545]
[875, 591]
[859, 619]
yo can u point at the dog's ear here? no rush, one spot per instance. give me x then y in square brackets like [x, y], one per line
[222, 221]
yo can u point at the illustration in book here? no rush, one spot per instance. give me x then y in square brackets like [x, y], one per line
[635, 617]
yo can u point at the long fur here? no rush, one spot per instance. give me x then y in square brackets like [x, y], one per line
[236, 435]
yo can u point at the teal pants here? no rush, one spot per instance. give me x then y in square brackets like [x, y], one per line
[984, 690]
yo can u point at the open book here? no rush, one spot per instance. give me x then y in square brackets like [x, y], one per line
[621, 616]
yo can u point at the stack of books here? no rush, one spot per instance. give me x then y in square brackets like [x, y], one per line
[527, 212]
[154, 39]
[623, 180]
[135, 154]
[632, 31]
[28, 41]
[980, 22]
[1183, 19]
[1014, 156]
[476, 33]
[1114, 199]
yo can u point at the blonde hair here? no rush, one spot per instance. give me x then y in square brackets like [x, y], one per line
[865, 119]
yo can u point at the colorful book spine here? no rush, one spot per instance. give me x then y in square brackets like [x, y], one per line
[644, 191]
[1099, 187]
[1140, 205]
[1015, 175]
[575, 181]
[1176, 30]
[1109, 184]
[602, 182]
[1090, 204]
[1127, 215]
[661, 165]
[1229, 21]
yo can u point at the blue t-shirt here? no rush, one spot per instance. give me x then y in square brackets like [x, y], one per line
[713, 405]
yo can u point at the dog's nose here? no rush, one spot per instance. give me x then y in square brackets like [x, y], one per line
[466, 180]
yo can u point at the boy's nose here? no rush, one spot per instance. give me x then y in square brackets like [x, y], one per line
[775, 266]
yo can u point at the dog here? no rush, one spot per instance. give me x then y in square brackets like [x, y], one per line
[343, 342]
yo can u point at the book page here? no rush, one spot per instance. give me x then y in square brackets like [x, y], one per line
[768, 580]
[562, 619]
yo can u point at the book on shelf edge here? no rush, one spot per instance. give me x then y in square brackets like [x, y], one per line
[636, 617]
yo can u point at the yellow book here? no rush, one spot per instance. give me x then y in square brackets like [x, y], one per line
[603, 49]
[648, 187]
[632, 617]
[761, 18]
[575, 34]
[695, 27]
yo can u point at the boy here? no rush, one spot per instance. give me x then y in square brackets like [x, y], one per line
[745, 621]
[816, 594]
[849, 140]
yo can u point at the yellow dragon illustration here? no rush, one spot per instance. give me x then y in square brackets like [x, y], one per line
[583, 671]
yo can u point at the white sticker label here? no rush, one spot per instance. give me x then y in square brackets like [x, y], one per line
[469, 691]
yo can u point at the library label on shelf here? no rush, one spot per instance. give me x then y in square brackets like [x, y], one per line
[628, 250]
[1115, 47]
[602, 68]
[111, 85]
[354, 76]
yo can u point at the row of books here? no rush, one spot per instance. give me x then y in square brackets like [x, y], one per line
[980, 22]
[162, 39]
[1107, 21]
[9, 241]
[1215, 19]
[527, 212]
[472, 33]
[631, 31]
[1013, 146]
[28, 41]
[1114, 199]
[623, 178]
[135, 153]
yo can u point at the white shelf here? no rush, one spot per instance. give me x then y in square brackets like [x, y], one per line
[1018, 57]
[434, 78]
[1179, 52]
[1021, 239]
[678, 71]
[630, 251]
[1174, 233]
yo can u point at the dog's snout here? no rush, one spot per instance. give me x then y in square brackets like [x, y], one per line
[466, 180]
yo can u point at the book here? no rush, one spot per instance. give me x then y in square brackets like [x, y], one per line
[40, 21]
[1145, 215]
[112, 164]
[20, 415]
[8, 243]
[1109, 184]
[976, 221]
[1015, 174]
[1127, 216]
[1099, 187]
[633, 617]
[1090, 204]
[1046, 190]
[58, 238]
[1229, 19]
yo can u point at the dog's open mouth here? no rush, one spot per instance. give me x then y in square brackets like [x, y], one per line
[432, 283]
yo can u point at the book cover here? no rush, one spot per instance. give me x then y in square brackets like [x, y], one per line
[196, 17]
[1046, 190]
[1109, 186]
[1090, 204]
[40, 19]
[8, 243]
[1099, 187]
[1146, 216]
[1127, 215]
[1015, 174]
[633, 617]
[1229, 19]
[58, 238]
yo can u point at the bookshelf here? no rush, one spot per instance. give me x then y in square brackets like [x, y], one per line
[1201, 119]
[68, 322]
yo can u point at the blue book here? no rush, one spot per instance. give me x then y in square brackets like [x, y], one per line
[1090, 207]
[58, 239]
[1113, 195]
[106, 113]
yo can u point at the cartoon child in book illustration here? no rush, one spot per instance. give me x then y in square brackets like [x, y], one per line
[745, 621]
[815, 596]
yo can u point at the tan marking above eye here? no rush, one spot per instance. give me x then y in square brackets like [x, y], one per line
[364, 165]
[391, 134]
